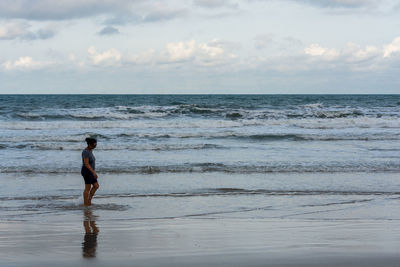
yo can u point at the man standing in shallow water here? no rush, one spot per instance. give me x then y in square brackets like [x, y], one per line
[88, 171]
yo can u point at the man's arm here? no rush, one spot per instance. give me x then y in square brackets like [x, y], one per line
[86, 164]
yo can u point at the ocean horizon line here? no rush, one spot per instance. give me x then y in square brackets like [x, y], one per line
[197, 94]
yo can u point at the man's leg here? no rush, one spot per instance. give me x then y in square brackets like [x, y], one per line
[86, 194]
[92, 191]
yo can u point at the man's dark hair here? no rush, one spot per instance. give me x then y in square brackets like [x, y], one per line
[90, 141]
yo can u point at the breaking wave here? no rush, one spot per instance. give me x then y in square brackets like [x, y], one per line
[326, 167]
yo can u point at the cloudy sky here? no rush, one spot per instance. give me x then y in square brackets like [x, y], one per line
[200, 46]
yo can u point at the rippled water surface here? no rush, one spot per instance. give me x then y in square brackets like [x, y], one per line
[201, 133]
[173, 156]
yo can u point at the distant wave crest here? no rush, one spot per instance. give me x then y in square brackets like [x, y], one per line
[220, 167]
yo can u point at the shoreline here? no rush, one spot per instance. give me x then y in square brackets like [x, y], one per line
[201, 242]
[202, 220]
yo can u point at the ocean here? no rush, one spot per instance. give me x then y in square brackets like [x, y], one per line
[201, 133]
[228, 150]
[210, 179]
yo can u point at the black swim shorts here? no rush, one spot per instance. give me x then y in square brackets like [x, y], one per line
[88, 176]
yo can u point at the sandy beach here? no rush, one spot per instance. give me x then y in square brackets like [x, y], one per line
[229, 227]
[201, 242]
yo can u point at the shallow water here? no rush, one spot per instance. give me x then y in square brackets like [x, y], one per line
[323, 196]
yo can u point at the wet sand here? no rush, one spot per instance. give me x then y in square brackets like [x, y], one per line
[208, 220]
[200, 242]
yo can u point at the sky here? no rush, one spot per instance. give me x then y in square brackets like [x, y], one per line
[199, 46]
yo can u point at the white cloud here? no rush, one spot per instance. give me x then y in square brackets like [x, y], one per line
[220, 55]
[211, 51]
[25, 63]
[72, 57]
[188, 53]
[181, 51]
[111, 57]
[353, 56]
[202, 54]
[13, 30]
[316, 50]
[264, 41]
[393, 47]
[144, 57]
[355, 53]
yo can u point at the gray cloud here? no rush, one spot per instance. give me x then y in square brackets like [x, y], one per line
[108, 30]
[21, 30]
[338, 3]
[115, 11]
[333, 4]
[264, 41]
[214, 3]
[164, 13]
[148, 14]
[41, 34]
[141, 11]
[61, 9]
[279, 46]
[147, 17]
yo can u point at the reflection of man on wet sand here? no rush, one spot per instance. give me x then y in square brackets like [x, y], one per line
[89, 244]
